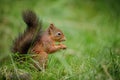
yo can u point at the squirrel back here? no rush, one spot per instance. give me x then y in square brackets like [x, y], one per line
[33, 30]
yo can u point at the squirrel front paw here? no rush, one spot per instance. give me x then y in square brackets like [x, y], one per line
[63, 46]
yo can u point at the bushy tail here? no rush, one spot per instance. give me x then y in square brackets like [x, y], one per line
[24, 41]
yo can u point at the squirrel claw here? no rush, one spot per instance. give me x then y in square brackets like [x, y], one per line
[63, 46]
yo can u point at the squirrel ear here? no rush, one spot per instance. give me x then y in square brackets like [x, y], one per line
[51, 28]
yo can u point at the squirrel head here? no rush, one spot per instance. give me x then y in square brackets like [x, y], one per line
[56, 34]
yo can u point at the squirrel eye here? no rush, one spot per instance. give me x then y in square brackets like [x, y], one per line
[58, 33]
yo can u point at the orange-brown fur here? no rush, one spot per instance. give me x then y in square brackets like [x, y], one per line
[47, 44]
[35, 41]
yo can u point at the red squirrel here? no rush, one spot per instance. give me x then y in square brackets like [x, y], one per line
[38, 42]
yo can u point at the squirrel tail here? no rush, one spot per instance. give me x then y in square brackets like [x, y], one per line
[34, 28]
[30, 19]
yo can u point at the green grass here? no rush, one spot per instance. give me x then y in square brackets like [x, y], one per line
[92, 32]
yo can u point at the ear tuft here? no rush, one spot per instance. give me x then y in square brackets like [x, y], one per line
[51, 28]
[51, 24]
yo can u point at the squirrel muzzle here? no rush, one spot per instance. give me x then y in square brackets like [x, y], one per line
[63, 39]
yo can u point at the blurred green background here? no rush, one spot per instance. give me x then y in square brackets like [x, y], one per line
[92, 29]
